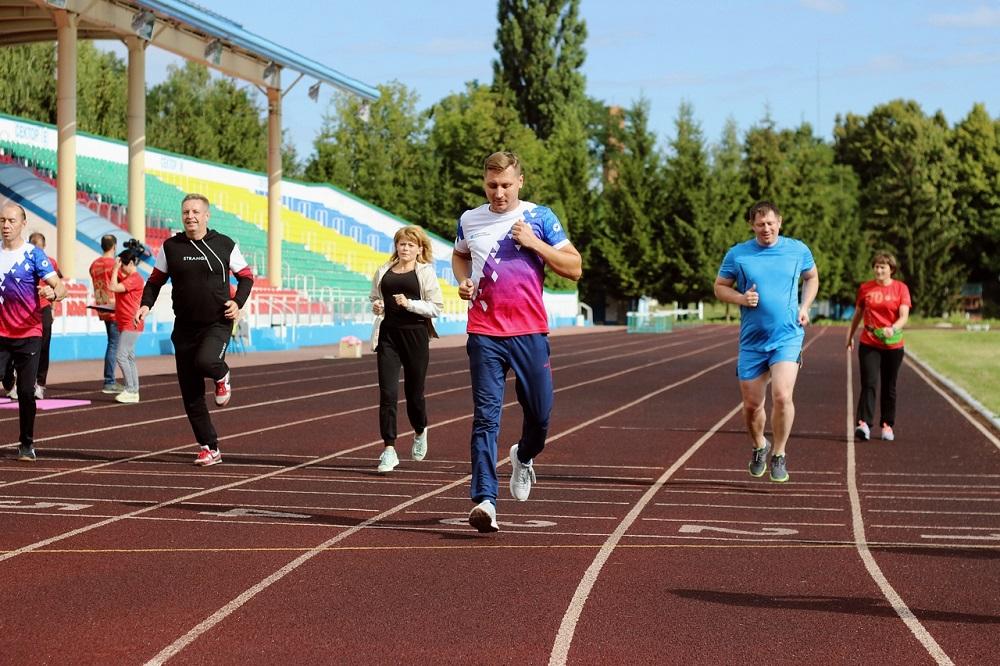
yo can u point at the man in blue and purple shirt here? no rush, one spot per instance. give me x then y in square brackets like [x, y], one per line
[27, 276]
[501, 250]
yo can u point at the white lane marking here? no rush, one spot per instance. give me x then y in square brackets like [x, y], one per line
[751, 508]
[502, 523]
[936, 499]
[59, 506]
[737, 522]
[936, 513]
[239, 601]
[933, 527]
[240, 512]
[971, 537]
[861, 542]
[564, 638]
[763, 531]
[933, 474]
[567, 628]
[951, 401]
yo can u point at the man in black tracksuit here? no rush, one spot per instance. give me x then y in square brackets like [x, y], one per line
[198, 262]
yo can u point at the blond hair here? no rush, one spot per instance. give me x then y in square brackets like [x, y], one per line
[414, 234]
[500, 161]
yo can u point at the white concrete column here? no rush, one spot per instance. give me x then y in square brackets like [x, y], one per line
[66, 151]
[275, 230]
[136, 137]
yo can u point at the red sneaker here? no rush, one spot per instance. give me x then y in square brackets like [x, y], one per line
[223, 392]
[207, 456]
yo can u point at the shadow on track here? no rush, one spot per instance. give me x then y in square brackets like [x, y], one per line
[847, 605]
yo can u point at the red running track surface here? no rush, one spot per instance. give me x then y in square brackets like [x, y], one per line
[644, 541]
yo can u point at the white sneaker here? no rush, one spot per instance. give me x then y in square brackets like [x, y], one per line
[39, 392]
[128, 397]
[12, 393]
[419, 449]
[111, 389]
[484, 517]
[521, 476]
[388, 460]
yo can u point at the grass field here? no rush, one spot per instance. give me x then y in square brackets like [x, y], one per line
[970, 359]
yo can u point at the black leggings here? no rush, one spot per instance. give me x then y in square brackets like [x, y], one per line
[200, 351]
[878, 364]
[405, 348]
[22, 355]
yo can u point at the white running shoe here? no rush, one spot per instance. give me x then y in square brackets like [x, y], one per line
[521, 476]
[419, 450]
[128, 397]
[388, 460]
[39, 392]
[484, 517]
[12, 393]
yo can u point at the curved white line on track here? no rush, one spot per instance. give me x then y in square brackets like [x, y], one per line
[564, 638]
[861, 541]
[224, 612]
[951, 401]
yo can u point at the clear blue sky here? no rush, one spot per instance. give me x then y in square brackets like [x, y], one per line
[801, 60]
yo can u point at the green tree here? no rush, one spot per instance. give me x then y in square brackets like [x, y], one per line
[728, 196]
[681, 227]
[29, 84]
[625, 259]
[468, 127]
[102, 97]
[540, 52]
[906, 169]
[192, 114]
[378, 154]
[977, 192]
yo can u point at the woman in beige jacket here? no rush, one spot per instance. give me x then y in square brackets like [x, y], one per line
[405, 298]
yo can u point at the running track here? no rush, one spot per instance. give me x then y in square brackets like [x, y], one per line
[645, 540]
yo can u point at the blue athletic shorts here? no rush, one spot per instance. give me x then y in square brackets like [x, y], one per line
[752, 364]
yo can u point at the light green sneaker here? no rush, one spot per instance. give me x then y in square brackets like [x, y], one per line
[779, 473]
[388, 460]
[758, 460]
[419, 450]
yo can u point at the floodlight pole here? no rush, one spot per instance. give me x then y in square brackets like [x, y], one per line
[66, 150]
[275, 228]
[136, 137]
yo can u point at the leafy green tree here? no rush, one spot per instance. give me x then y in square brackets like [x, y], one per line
[192, 114]
[380, 154]
[468, 127]
[102, 92]
[540, 52]
[624, 255]
[728, 196]
[977, 192]
[682, 228]
[29, 88]
[906, 169]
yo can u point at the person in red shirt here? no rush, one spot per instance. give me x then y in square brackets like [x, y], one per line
[884, 305]
[100, 276]
[127, 285]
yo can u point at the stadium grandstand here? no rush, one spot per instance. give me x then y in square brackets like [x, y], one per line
[313, 248]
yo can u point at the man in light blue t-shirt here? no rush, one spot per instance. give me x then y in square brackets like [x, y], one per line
[762, 276]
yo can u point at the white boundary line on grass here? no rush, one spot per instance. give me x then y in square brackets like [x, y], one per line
[861, 541]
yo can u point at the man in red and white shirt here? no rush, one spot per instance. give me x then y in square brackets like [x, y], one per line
[499, 259]
[27, 276]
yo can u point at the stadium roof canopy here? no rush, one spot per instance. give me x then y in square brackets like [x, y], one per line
[184, 28]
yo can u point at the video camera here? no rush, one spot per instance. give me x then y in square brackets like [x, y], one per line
[133, 252]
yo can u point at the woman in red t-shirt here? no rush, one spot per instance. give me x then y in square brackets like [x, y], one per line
[127, 285]
[884, 304]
